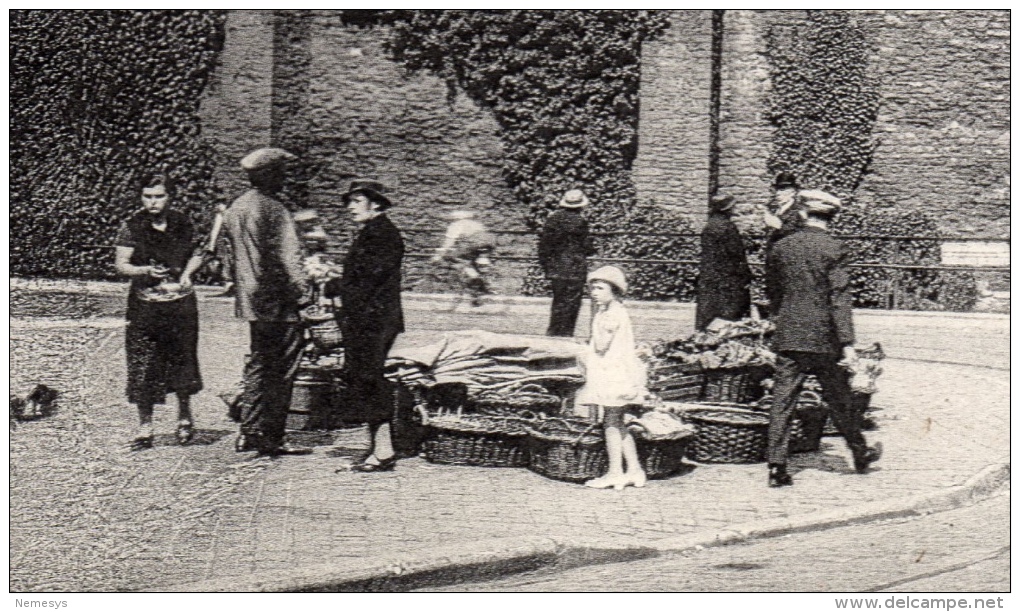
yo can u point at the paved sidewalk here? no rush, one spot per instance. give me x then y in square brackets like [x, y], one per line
[175, 515]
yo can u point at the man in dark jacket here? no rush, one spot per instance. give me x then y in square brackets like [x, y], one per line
[371, 316]
[270, 287]
[807, 283]
[724, 278]
[562, 252]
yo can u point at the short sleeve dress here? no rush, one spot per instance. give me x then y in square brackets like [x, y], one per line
[618, 377]
[161, 341]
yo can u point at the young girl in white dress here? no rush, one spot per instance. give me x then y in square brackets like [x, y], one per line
[614, 377]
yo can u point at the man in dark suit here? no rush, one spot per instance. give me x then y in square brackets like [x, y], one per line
[724, 279]
[270, 289]
[371, 316]
[807, 283]
[562, 252]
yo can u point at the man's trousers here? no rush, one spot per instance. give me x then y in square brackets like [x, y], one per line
[269, 379]
[566, 304]
[792, 367]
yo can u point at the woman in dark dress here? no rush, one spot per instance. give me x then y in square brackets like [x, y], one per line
[155, 250]
[371, 316]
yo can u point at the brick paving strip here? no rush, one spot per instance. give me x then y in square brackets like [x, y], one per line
[225, 522]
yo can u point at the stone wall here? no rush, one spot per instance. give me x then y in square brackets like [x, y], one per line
[944, 121]
[349, 111]
[943, 127]
[671, 167]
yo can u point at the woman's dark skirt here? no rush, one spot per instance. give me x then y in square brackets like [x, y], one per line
[162, 350]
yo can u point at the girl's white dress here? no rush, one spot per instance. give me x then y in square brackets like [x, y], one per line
[617, 377]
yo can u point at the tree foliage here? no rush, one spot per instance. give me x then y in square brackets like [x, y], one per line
[824, 102]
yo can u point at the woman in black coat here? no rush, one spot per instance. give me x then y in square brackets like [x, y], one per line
[371, 316]
[724, 281]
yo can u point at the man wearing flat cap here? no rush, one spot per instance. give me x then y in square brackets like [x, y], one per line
[724, 278]
[271, 287]
[563, 249]
[807, 284]
[371, 316]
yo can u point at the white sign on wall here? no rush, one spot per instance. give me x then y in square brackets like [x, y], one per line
[975, 254]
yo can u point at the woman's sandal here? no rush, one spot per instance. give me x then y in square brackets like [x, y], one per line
[185, 432]
[384, 465]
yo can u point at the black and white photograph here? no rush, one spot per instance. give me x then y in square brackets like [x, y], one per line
[712, 303]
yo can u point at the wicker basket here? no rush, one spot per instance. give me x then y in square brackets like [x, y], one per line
[677, 382]
[862, 405]
[807, 423]
[728, 434]
[478, 440]
[532, 398]
[741, 385]
[574, 450]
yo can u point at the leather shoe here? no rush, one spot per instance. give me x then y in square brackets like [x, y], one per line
[863, 460]
[284, 449]
[245, 443]
[778, 477]
[384, 465]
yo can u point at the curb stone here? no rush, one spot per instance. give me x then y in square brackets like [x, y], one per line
[490, 559]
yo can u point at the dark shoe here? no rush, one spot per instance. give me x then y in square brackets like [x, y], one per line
[141, 443]
[778, 476]
[871, 454]
[284, 449]
[185, 432]
[384, 465]
[246, 443]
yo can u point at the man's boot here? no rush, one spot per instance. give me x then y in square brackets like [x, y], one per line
[778, 477]
[865, 456]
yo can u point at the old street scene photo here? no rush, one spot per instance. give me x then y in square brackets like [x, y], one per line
[693, 301]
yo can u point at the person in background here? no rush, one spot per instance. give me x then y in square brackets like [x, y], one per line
[271, 289]
[724, 278]
[563, 249]
[782, 219]
[156, 249]
[467, 247]
[807, 284]
[371, 317]
[614, 377]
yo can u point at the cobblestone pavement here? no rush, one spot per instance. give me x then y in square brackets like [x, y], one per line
[966, 549]
[88, 515]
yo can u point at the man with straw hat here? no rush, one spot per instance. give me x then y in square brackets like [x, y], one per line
[807, 283]
[563, 249]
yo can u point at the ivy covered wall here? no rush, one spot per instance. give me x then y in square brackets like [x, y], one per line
[98, 99]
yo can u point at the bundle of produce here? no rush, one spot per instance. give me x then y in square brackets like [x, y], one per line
[516, 398]
[488, 362]
[317, 269]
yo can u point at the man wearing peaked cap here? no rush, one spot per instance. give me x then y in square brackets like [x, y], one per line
[265, 158]
[808, 287]
[270, 289]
